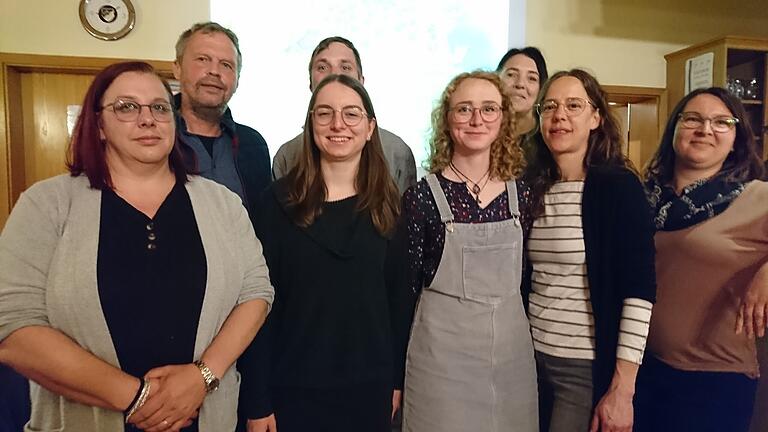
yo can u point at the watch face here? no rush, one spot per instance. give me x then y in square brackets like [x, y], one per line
[107, 19]
[214, 385]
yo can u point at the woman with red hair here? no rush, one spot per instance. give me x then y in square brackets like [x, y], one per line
[128, 288]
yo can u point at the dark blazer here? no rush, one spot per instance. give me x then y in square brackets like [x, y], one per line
[620, 256]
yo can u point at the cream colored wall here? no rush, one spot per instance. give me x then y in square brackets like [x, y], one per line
[624, 41]
[53, 27]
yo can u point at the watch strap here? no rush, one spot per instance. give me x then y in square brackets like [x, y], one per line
[211, 381]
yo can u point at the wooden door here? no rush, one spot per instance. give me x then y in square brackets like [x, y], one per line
[36, 95]
[46, 100]
[642, 117]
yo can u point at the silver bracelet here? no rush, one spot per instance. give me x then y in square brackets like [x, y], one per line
[145, 386]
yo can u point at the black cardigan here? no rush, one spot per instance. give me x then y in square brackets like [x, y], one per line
[618, 238]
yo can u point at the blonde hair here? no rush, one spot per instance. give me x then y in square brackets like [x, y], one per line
[507, 160]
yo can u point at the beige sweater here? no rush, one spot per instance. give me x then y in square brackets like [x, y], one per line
[702, 272]
[48, 253]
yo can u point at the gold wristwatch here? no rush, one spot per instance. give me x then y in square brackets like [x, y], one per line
[211, 382]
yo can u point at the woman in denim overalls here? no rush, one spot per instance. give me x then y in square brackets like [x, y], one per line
[470, 363]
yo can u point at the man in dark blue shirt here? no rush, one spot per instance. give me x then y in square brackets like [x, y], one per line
[208, 64]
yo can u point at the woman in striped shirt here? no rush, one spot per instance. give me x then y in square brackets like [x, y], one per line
[590, 256]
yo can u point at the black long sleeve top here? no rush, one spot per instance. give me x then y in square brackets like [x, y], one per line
[342, 309]
[152, 281]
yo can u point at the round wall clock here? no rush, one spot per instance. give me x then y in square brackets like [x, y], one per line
[107, 19]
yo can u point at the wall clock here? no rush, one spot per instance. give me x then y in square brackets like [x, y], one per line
[107, 19]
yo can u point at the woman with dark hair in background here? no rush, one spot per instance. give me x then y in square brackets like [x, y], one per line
[332, 353]
[523, 71]
[128, 288]
[711, 213]
[590, 250]
[470, 358]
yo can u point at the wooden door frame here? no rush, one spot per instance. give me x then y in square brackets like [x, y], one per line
[637, 94]
[629, 94]
[12, 65]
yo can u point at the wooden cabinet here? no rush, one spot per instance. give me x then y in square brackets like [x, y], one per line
[734, 58]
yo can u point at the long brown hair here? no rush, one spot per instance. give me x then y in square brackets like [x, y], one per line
[375, 188]
[603, 144]
[506, 155]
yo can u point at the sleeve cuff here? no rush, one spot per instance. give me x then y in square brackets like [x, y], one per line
[633, 329]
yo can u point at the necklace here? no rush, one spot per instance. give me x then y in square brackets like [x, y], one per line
[476, 187]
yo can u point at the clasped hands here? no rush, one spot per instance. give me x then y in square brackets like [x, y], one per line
[176, 393]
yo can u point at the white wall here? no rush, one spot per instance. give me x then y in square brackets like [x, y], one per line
[409, 50]
[517, 27]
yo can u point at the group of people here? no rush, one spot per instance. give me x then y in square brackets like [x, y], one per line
[531, 281]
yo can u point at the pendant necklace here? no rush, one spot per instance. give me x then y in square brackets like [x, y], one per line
[476, 187]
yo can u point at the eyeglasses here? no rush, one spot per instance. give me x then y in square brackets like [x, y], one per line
[573, 106]
[128, 111]
[463, 113]
[694, 120]
[351, 115]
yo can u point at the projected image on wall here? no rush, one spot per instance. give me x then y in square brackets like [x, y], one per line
[409, 51]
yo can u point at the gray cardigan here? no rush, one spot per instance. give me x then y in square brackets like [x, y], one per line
[48, 253]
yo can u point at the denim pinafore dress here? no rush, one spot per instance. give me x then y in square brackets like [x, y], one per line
[470, 364]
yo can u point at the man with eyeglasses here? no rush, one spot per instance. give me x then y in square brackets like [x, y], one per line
[337, 55]
[208, 63]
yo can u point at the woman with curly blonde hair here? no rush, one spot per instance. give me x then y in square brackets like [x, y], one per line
[506, 156]
[470, 362]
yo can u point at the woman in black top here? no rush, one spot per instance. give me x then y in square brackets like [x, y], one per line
[128, 288]
[333, 350]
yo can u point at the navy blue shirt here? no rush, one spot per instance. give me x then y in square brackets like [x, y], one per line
[151, 275]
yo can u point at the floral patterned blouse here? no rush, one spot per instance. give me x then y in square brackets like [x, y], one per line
[426, 233]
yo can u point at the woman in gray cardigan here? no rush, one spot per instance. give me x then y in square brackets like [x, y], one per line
[128, 288]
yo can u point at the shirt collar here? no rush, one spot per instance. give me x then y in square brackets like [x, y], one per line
[226, 121]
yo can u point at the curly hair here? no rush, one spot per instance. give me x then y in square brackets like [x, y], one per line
[506, 155]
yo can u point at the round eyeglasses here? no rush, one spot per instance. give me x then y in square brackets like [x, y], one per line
[128, 111]
[573, 106]
[463, 113]
[694, 120]
[351, 115]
